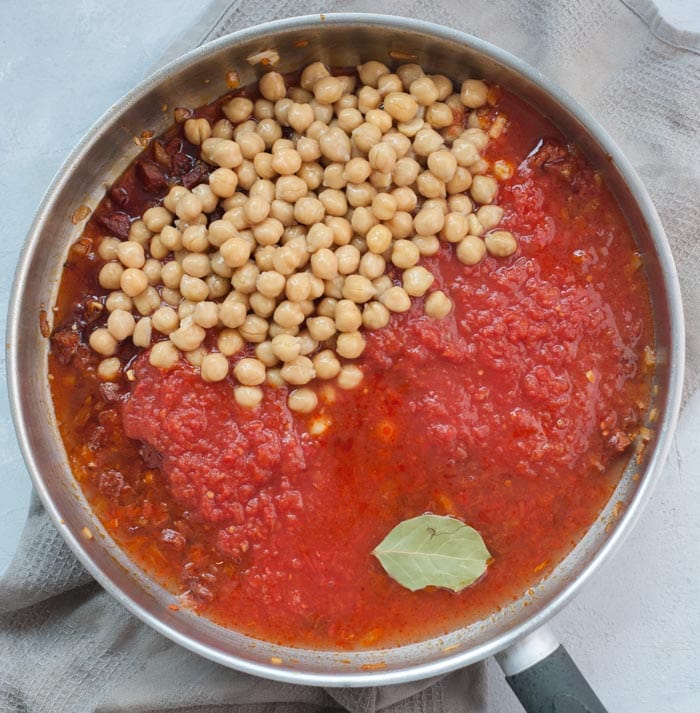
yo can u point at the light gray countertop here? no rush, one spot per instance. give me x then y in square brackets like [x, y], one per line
[634, 630]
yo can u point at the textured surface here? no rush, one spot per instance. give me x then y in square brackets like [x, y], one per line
[633, 631]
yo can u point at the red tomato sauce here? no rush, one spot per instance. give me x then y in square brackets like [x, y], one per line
[512, 413]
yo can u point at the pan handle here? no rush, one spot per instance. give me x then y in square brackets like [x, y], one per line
[545, 678]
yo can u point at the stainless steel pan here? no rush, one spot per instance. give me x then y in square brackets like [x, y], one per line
[198, 77]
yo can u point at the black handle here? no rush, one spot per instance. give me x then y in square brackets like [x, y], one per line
[555, 685]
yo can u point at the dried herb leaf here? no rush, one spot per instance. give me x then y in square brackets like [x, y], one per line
[435, 550]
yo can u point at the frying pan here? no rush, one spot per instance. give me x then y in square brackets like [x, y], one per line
[537, 667]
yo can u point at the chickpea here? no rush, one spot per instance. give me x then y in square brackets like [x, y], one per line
[381, 119]
[118, 300]
[142, 333]
[302, 400]
[456, 227]
[363, 220]
[405, 171]
[473, 93]
[165, 320]
[272, 86]
[369, 72]
[326, 364]
[311, 174]
[489, 216]
[348, 317]
[102, 341]
[384, 206]
[285, 347]
[147, 301]
[218, 286]
[335, 145]
[195, 238]
[438, 304]
[471, 250]
[442, 164]
[334, 202]
[401, 225]
[324, 264]
[300, 117]
[214, 367]
[152, 269]
[322, 327]
[164, 355]
[188, 337]
[389, 83]
[308, 343]
[298, 371]
[430, 186]
[196, 265]
[358, 289]
[424, 90]
[219, 231]
[269, 231]
[439, 115]
[349, 119]
[120, 324]
[406, 199]
[249, 372]
[368, 98]
[221, 152]
[501, 243]
[248, 396]
[132, 281]
[269, 130]
[396, 299]
[298, 287]
[238, 109]
[357, 170]
[308, 210]
[484, 189]
[108, 248]
[429, 221]
[348, 259]
[254, 329]
[360, 194]
[197, 130]
[460, 204]
[108, 369]
[477, 136]
[286, 162]
[409, 72]
[372, 265]
[366, 136]
[460, 182]
[110, 276]
[290, 188]
[131, 254]
[319, 236]
[288, 314]
[327, 90]
[334, 287]
[206, 314]
[193, 288]
[157, 218]
[350, 377]
[350, 344]
[250, 144]
[404, 254]
[417, 280]
[375, 315]
[229, 342]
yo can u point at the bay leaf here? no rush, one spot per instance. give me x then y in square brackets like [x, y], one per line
[437, 550]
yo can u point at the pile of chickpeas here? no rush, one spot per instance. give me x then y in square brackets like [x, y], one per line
[377, 172]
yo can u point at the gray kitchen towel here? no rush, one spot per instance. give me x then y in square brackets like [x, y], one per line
[67, 646]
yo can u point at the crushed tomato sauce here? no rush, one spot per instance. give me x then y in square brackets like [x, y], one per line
[513, 413]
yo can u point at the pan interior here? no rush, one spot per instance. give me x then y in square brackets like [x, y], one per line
[107, 150]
